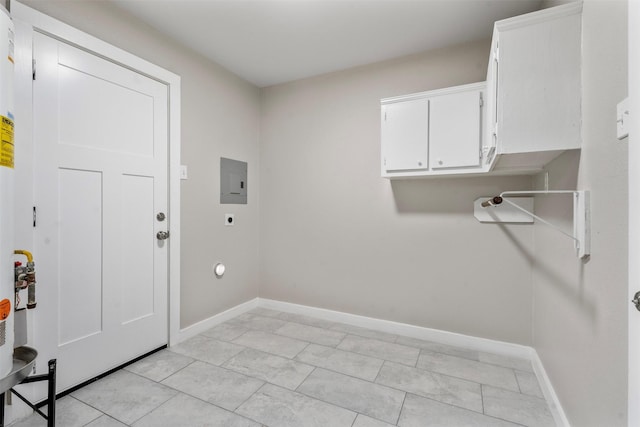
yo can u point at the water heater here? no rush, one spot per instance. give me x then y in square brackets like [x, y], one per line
[7, 291]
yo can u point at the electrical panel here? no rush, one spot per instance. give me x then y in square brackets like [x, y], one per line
[233, 182]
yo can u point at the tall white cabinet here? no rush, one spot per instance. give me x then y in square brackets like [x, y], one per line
[527, 112]
[534, 87]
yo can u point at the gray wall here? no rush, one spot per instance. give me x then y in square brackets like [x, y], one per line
[580, 316]
[220, 117]
[336, 235]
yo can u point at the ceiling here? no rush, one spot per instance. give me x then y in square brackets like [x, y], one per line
[268, 42]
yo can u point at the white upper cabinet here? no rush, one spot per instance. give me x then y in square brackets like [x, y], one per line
[433, 133]
[534, 87]
[531, 114]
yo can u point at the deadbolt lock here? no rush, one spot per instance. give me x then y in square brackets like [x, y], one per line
[162, 235]
[161, 216]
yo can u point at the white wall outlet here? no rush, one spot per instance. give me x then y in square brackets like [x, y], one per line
[183, 172]
[622, 119]
[229, 220]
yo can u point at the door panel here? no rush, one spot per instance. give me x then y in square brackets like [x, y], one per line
[100, 133]
[137, 255]
[103, 129]
[80, 228]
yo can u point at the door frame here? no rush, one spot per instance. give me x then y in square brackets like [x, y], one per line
[633, 374]
[28, 21]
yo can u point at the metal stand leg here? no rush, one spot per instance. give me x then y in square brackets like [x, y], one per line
[2, 410]
[51, 395]
[50, 377]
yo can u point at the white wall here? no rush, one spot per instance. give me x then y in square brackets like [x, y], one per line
[336, 235]
[580, 315]
[220, 117]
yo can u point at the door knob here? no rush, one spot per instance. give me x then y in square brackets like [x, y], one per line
[636, 300]
[162, 235]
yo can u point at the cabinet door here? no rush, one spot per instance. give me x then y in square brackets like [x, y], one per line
[539, 85]
[454, 130]
[405, 132]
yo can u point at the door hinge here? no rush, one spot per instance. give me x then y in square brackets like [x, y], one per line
[33, 69]
[34, 216]
[481, 100]
[385, 116]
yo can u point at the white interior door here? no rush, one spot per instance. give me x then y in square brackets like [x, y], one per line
[100, 137]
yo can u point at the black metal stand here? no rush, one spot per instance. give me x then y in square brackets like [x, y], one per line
[50, 377]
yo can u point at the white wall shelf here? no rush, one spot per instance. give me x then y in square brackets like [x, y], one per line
[581, 213]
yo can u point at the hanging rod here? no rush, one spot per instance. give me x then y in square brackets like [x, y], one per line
[581, 215]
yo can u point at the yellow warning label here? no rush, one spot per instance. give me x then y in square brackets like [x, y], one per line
[6, 143]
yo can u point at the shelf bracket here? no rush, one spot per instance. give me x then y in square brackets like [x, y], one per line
[581, 215]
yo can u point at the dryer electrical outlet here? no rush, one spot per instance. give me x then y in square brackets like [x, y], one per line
[233, 182]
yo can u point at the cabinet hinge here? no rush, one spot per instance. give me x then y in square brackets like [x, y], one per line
[34, 216]
[33, 69]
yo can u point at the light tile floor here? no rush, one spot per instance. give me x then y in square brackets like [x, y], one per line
[268, 368]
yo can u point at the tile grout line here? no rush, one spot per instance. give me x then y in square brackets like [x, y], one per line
[375, 380]
[307, 376]
[193, 360]
[118, 419]
[338, 406]
[436, 400]
[404, 399]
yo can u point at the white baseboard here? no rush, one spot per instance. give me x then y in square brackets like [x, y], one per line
[439, 336]
[547, 390]
[199, 327]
